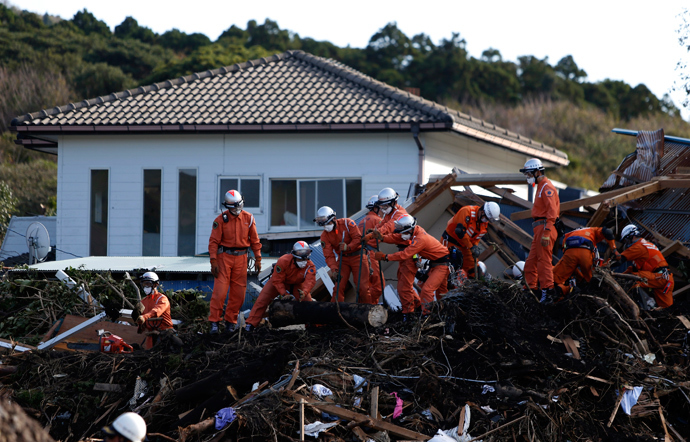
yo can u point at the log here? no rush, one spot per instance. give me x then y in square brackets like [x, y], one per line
[631, 309]
[284, 313]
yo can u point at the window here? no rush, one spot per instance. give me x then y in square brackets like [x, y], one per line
[98, 240]
[294, 202]
[249, 188]
[151, 236]
[186, 213]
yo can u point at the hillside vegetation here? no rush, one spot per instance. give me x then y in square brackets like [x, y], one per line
[47, 61]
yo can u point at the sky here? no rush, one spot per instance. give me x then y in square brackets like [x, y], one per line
[633, 41]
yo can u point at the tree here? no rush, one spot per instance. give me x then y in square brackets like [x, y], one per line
[683, 82]
[130, 28]
[182, 42]
[569, 70]
[537, 77]
[8, 207]
[90, 24]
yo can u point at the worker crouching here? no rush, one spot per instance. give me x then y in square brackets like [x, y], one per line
[424, 245]
[156, 316]
[294, 276]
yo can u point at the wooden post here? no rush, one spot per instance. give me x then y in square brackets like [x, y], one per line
[374, 402]
[301, 419]
[284, 313]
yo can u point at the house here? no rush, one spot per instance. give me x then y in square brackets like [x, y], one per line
[144, 171]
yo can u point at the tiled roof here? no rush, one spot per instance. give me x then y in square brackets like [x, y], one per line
[289, 91]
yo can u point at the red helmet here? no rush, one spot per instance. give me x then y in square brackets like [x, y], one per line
[233, 202]
[301, 250]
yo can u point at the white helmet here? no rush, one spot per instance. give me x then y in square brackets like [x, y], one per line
[532, 165]
[301, 250]
[324, 216]
[481, 267]
[233, 202]
[404, 224]
[129, 425]
[629, 231]
[387, 196]
[372, 202]
[518, 269]
[149, 276]
[492, 211]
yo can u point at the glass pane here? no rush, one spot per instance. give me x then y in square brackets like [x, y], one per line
[186, 213]
[330, 193]
[307, 204]
[225, 185]
[251, 192]
[283, 203]
[151, 242]
[353, 191]
[98, 243]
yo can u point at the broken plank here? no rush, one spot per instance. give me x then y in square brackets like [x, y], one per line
[571, 347]
[553, 339]
[684, 320]
[672, 248]
[599, 216]
[98, 386]
[16, 345]
[507, 194]
[648, 189]
[488, 179]
[357, 417]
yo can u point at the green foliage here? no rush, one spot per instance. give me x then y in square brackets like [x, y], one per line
[31, 398]
[32, 183]
[89, 24]
[8, 207]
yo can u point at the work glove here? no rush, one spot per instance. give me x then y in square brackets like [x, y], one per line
[215, 270]
[475, 251]
[617, 255]
[335, 276]
[141, 320]
[287, 297]
[545, 240]
[344, 247]
[302, 294]
[257, 264]
[380, 256]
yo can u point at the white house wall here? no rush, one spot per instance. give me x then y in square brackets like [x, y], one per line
[381, 160]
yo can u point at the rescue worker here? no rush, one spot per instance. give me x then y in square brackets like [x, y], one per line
[648, 263]
[294, 275]
[233, 233]
[369, 222]
[545, 211]
[128, 427]
[391, 211]
[341, 238]
[580, 255]
[465, 230]
[406, 231]
[156, 315]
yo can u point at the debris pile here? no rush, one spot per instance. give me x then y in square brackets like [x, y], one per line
[490, 360]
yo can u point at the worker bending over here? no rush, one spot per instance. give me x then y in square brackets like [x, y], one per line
[233, 233]
[465, 230]
[545, 211]
[156, 315]
[294, 276]
[341, 239]
[369, 222]
[421, 244]
[580, 255]
[648, 263]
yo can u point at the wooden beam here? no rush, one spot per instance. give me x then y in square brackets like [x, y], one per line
[507, 194]
[683, 290]
[648, 189]
[376, 424]
[682, 183]
[672, 248]
[489, 179]
[662, 240]
[599, 216]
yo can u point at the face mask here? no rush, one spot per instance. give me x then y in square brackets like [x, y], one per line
[405, 236]
[301, 264]
[235, 212]
[385, 210]
[328, 227]
[530, 181]
[148, 290]
[484, 219]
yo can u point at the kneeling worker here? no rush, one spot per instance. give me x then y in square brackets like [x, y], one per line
[156, 316]
[647, 263]
[294, 274]
[579, 252]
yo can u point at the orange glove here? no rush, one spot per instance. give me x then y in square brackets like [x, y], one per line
[344, 247]
[215, 270]
[380, 256]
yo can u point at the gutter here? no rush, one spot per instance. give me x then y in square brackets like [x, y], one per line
[422, 153]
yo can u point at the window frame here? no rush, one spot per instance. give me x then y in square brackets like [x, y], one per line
[196, 216]
[256, 210]
[161, 210]
[108, 211]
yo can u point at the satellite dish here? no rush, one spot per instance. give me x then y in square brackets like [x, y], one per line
[38, 242]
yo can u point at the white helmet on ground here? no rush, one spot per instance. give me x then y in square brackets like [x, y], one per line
[233, 202]
[518, 269]
[481, 267]
[129, 425]
[387, 196]
[324, 216]
[629, 231]
[404, 224]
[532, 165]
[149, 276]
[372, 202]
[301, 250]
[492, 211]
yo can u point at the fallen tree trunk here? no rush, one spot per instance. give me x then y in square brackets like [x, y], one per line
[631, 309]
[284, 313]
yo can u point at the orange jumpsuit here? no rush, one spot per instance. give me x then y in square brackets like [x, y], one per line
[538, 265]
[346, 231]
[238, 233]
[428, 247]
[156, 305]
[286, 277]
[578, 259]
[463, 232]
[649, 263]
[407, 268]
[370, 221]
